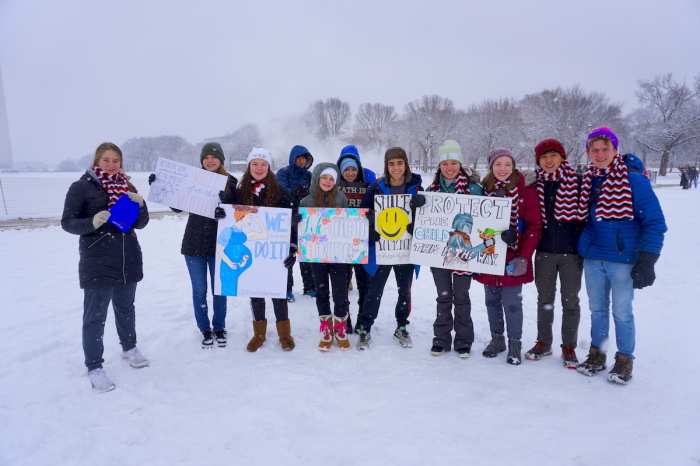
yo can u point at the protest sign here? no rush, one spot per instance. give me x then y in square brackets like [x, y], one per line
[392, 216]
[333, 235]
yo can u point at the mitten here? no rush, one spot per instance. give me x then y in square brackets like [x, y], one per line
[509, 236]
[151, 178]
[100, 219]
[296, 218]
[417, 201]
[409, 228]
[225, 197]
[136, 197]
[291, 258]
[520, 264]
[643, 271]
[219, 213]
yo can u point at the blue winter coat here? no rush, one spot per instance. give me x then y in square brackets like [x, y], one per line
[366, 175]
[623, 240]
[291, 175]
[379, 187]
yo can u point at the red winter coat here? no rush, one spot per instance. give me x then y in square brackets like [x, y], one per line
[529, 211]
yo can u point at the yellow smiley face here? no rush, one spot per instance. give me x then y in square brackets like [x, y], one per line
[391, 223]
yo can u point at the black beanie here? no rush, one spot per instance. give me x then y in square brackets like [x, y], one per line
[212, 148]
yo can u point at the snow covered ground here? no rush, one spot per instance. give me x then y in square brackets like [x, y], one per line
[385, 406]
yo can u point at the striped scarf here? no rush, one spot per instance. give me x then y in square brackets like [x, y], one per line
[461, 184]
[566, 201]
[615, 198]
[115, 185]
[515, 201]
[258, 187]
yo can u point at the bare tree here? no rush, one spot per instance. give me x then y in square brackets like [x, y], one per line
[492, 124]
[374, 123]
[141, 154]
[669, 115]
[427, 122]
[330, 118]
[238, 144]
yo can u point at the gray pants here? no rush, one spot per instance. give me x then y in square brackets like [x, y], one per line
[452, 288]
[508, 301]
[569, 268]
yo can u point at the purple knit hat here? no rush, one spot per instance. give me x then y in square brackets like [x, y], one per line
[603, 131]
[500, 152]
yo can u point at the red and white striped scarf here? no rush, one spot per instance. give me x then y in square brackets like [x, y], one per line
[115, 185]
[515, 201]
[258, 187]
[461, 184]
[615, 198]
[566, 201]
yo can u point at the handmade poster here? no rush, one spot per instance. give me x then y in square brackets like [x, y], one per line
[392, 216]
[333, 235]
[251, 245]
[187, 188]
[354, 191]
[461, 232]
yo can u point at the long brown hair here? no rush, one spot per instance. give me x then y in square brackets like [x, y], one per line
[104, 147]
[325, 198]
[272, 193]
[490, 180]
[221, 171]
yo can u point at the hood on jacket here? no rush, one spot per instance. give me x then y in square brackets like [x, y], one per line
[633, 163]
[351, 152]
[316, 175]
[298, 151]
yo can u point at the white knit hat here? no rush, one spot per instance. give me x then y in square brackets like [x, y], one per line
[260, 153]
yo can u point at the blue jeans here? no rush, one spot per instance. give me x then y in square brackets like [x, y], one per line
[603, 280]
[197, 266]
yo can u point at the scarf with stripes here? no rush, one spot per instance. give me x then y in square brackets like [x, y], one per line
[615, 193]
[500, 187]
[461, 184]
[258, 187]
[115, 185]
[566, 201]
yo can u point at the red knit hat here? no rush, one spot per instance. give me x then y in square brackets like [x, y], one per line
[549, 145]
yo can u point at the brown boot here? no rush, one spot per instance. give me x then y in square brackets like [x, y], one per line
[595, 362]
[284, 330]
[326, 333]
[259, 330]
[622, 370]
[340, 328]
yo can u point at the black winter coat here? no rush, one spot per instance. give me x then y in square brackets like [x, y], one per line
[200, 232]
[108, 256]
[557, 237]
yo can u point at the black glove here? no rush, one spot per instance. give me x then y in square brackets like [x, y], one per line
[225, 197]
[417, 201]
[520, 264]
[291, 258]
[643, 271]
[151, 178]
[374, 236]
[509, 236]
[219, 213]
[296, 219]
[370, 218]
[409, 228]
[300, 192]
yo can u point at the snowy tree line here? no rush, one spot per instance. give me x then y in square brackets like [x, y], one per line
[664, 128]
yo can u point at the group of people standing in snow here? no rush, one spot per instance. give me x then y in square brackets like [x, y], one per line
[605, 223]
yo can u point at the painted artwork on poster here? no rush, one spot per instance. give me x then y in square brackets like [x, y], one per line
[333, 235]
[461, 232]
[187, 188]
[251, 245]
[392, 217]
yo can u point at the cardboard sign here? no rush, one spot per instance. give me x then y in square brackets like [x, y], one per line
[392, 216]
[251, 245]
[461, 232]
[333, 235]
[187, 188]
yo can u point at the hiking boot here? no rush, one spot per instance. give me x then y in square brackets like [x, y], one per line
[135, 358]
[259, 335]
[465, 352]
[495, 346]
[514, 348]
[622, 370]
[284, 331]
[595, 362]
[437, 350]
[220, 338]
[363, 340]
[207, 339]
[290, 297]
[540, 349]
[568, 356]
[326, 330]
[100, 381]
[401, 335]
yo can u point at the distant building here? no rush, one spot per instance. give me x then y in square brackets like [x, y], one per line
[5, 148]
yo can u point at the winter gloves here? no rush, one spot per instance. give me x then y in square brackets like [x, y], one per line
[136, 197]
[643, 271]
[373, 234]
[219, 213]
[151, 178]
[226, 198]
[291, 258]
[296, 219]
[417, 201]
[519, 266]
[100, 218]
[509, 236]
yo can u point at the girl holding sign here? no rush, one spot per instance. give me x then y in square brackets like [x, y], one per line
[504, 292]
[323, 193]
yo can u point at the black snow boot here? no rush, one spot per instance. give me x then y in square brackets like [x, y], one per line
[495, 346]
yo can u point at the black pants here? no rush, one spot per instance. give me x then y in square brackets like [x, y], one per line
[257, 306]
[404, 279]
[307, 277]
[452, 288]
[362, 278]
[338, 274]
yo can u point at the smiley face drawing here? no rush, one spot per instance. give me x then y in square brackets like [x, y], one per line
[391, 223]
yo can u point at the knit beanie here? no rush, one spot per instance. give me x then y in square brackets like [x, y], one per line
[396, 153]
[348, 162]
[549, 145]
[605, 132]
[329, 171]
[212, 148]
[260, 153]
[500, 152]
[450, 150]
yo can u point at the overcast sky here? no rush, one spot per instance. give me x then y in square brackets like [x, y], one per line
[79, 72]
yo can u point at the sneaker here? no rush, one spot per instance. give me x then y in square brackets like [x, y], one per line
[401, 335]
[540, 349]
[568, 356]
[464, 352]
[290, 297]
[220, 338]
[595, 362]
[207, 339]
[622, 370]
[100, 381]
[495, 346]
[135, 358]
[437, 350]
[363, 341]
